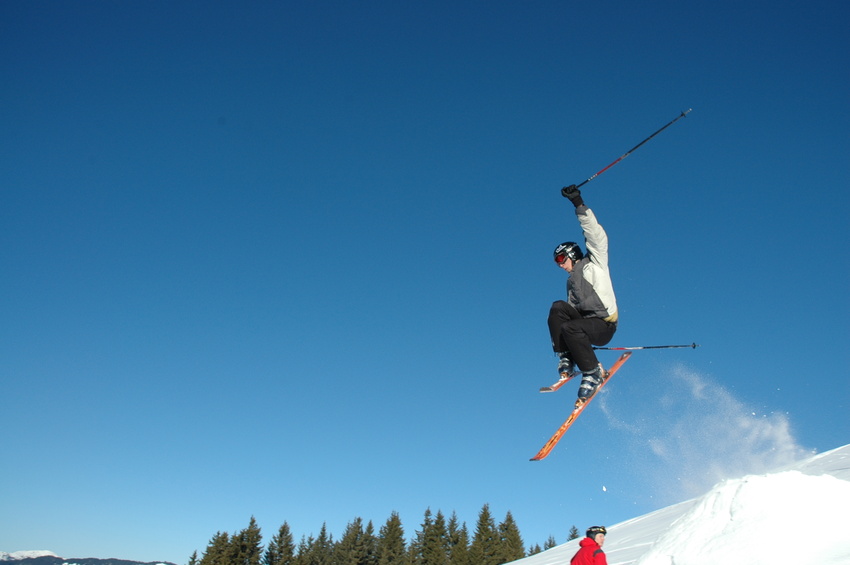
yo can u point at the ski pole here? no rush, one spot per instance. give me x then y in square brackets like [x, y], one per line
[692, 346]
[627, 153]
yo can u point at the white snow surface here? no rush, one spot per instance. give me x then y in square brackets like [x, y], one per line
[797, 515]
[25, 555]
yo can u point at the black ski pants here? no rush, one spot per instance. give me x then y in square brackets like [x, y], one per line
[576, 335]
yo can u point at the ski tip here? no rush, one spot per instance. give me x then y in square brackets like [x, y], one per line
[546, 389]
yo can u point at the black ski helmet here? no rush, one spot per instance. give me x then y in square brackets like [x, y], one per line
[567, 250]
[593, 530]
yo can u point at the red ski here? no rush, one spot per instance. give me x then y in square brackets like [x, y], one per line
[547, 449]
[561, 382]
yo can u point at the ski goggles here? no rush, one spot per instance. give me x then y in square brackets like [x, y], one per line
[560, 258]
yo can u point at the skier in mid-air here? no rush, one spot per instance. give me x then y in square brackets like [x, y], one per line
[589, 315]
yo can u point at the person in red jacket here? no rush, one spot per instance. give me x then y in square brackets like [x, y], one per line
[590, 548]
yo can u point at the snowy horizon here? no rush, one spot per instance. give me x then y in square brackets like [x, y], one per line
[28, 554]
[36, 553]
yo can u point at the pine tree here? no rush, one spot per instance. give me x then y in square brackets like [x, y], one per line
[435, 546]
[390, 547]
[351, 548]
[193, 559]
[535, 549]
[417, 545]
[218, 550]
[511, 546]
[550, 543]
[281, 549]
[246, 546]
[316, 551]
[485, 542]
[303, 555]
[573, 534]
[322, 550]
[271, 556]
[458, 542]
[370, 542]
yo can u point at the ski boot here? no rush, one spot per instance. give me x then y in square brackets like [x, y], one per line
[565, 366]
[590, 381]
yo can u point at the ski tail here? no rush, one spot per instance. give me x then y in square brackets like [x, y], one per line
[561, 382]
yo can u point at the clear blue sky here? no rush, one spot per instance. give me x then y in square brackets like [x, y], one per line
[293, 259]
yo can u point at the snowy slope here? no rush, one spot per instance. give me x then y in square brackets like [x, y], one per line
[25, 555]
[797, 515]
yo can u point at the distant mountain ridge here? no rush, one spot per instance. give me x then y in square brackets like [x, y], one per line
[48, 558]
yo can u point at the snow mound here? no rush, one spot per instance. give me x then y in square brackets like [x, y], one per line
[796, 515]
[786, 517]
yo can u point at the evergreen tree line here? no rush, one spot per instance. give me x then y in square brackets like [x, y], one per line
[438, 542]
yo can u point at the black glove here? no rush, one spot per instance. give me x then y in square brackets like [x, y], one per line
[573, 194]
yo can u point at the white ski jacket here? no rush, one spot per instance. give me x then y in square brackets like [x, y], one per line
[589, 287]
